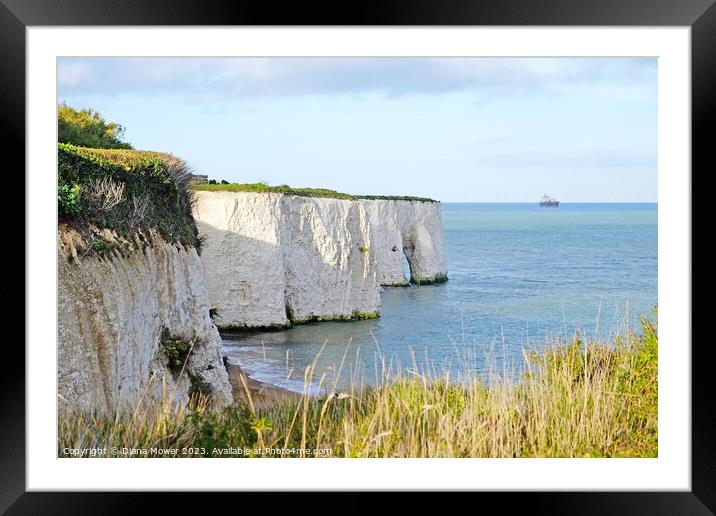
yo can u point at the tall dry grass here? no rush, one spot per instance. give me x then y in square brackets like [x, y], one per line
[152, 423]
[578, 399]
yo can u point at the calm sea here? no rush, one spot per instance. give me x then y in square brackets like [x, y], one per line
[520, 276]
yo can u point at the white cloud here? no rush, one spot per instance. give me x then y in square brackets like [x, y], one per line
[223, 77]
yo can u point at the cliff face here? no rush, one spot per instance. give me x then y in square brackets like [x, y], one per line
[413, 228]
[242, 258]
[272, 259]
[112, 311]
[330, 272]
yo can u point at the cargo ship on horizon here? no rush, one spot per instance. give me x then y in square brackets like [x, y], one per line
[548, 202]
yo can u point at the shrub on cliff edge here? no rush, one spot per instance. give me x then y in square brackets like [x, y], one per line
[86, 127]
[126, 190]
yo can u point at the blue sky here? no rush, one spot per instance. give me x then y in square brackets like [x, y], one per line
[456, 129]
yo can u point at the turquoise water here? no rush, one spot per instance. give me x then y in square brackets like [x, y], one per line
[520, 276]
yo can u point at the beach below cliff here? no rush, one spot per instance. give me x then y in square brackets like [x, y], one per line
[261, 393]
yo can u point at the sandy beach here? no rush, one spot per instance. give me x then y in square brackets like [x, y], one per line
[262, 393]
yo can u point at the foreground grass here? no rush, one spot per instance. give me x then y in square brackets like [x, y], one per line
[574, 400]
[301, 192]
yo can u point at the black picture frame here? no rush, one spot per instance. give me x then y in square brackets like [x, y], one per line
[700, 15]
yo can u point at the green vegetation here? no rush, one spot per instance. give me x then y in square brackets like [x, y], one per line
[232, 425]
[262, 188]
[404, 283]
[396, 198]
[198, 385]
[177, 352]
[577, 399]
[359, 316]
[68, 200]
[243, 328]
[301, 192]
[125, 191]
[100, 245]
[433, 280]
[356, 315]
[87, 128]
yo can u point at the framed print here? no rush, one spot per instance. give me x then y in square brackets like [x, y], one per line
[438, 249]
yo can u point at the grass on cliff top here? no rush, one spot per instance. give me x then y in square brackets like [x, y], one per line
[302, 192]
[577, 399]
[125, 190]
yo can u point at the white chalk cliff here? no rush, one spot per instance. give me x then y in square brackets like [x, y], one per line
[112, 309]
[274, 259]
[267, 260]
[411, 227]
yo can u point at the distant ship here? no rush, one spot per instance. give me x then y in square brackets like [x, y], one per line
[548, 202]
